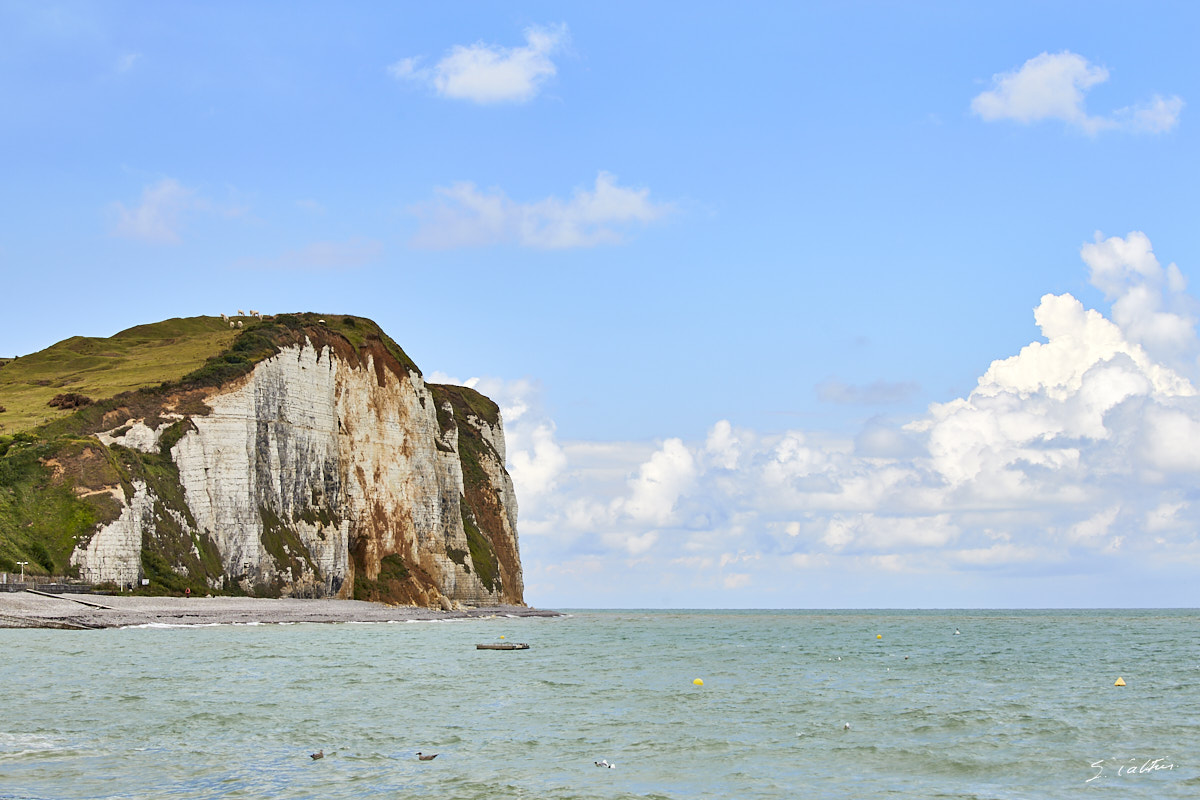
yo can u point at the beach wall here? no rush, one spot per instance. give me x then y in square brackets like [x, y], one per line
[328, 470]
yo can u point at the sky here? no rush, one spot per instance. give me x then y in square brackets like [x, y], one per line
[821, 305]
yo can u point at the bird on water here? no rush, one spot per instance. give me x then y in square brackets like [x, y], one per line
[319, 754]
[429, 757]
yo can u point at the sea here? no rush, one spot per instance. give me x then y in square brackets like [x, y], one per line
[682, 704]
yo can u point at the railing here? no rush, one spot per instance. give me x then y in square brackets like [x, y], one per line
[43, 583]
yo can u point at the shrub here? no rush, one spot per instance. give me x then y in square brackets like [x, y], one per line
[69, 400]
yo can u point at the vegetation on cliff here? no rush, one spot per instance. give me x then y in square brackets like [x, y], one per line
[59, 483]
[51, 498]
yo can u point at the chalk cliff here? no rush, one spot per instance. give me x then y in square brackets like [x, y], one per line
[325, 466]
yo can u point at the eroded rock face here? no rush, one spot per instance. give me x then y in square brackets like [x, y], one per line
[327, 471]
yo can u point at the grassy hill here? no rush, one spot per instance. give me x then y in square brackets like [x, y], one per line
[146, 355]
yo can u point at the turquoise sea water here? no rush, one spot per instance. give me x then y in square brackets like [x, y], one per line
[1021, 704]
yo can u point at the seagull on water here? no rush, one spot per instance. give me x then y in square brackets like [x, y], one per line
[846, 727]
[319, 754]
[429, 757]
[604, 763]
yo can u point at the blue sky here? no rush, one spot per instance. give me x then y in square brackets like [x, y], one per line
[755, 284]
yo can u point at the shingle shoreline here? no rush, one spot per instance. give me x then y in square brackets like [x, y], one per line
[28, 610]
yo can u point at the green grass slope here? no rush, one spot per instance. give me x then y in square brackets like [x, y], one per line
[146, 355]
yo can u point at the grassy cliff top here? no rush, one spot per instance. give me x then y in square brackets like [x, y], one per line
[146, 355]
[188, 352]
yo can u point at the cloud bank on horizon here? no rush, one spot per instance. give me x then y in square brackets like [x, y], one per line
[1079, 451]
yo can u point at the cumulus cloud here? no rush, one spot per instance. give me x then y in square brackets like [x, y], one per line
[1150, 303]
[1054, 86]
[723, 445]
[487, 73]
[1082, 447]
[659, 483]
[536, 468]
[464, 216]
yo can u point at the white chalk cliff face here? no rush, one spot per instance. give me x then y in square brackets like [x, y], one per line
[326, 471]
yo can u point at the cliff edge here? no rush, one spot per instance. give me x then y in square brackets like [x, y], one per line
[301, 455]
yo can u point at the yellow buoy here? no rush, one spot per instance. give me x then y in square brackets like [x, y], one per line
[1120, 682]
[501, 637]
[879, 636]
[698, 682]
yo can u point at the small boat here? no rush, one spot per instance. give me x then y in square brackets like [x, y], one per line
[503, 646]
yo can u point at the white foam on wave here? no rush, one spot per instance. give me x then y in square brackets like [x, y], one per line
[15, 745]
[177, 625]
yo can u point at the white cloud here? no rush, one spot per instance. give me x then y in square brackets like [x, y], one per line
[880, 438]
[1150, 303]
[656, 488]
[1165, 516]
[1092, 532]
[404, 68]
[737, 580]
[489, 74]
[158, 218]
[998, 555]
[1053, 86]
[464, 216]
[874, 533]
[535, 470]
[164, 208]
[637, 545]
[1170, 439]
[1160, 115]
[723, 445]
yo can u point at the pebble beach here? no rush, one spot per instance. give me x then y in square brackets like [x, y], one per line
[71, 611]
